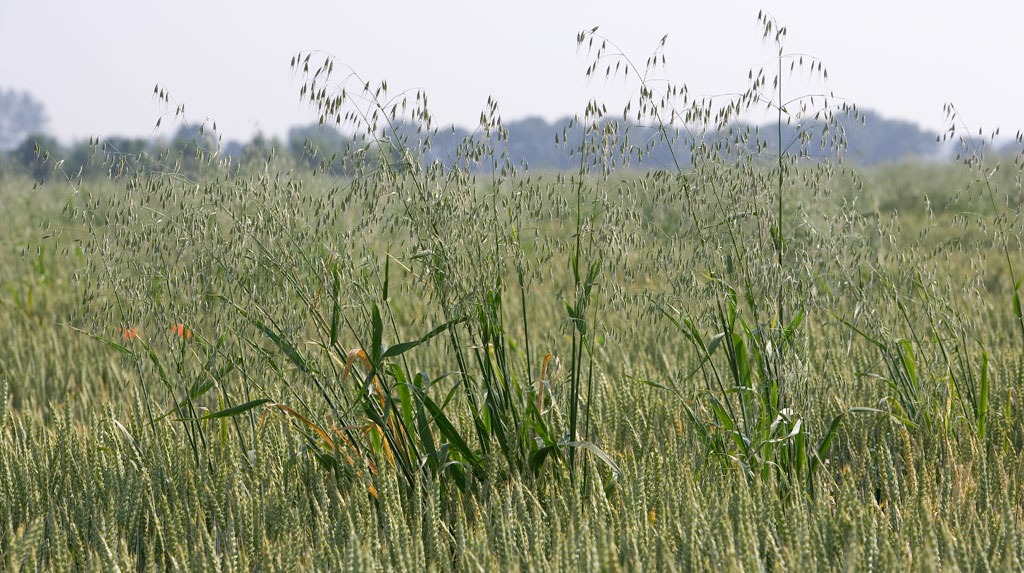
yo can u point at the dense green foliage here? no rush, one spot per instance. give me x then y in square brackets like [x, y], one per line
[93, 477]
[755, 362]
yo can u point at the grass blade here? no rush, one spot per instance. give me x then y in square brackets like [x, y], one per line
[228, 412]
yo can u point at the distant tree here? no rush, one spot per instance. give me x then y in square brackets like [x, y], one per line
[123, 155]
[875, 140]
[260, 150]
[319, 147]
[532, 141]
[112, 157]
[233, 149]
[36, 155]
[192, 150]
[21, 114]
[196, 140]
[80, 159]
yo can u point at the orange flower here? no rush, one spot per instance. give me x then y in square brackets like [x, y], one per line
[130, 333]
[181, 331]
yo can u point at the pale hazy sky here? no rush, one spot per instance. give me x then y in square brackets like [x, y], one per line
[94, 63]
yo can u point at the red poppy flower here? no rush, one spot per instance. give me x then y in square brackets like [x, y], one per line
[181, 331]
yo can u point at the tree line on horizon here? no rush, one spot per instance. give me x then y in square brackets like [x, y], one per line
[533, 143]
